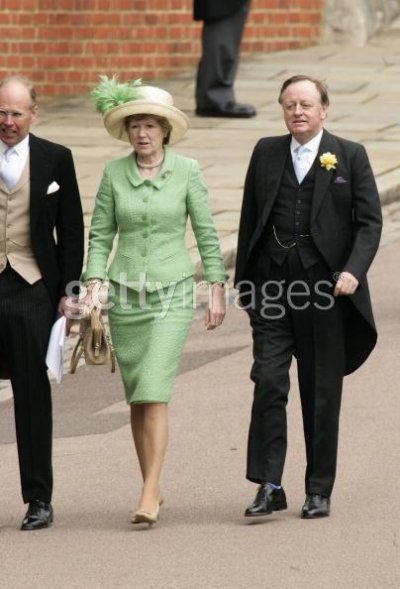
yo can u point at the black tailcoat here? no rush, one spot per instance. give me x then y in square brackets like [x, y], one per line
[346, 223]
[56, 219]
[215, 9]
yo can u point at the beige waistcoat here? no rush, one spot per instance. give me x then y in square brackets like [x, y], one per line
[15, 239]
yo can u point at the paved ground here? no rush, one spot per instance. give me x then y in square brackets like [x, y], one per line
[202, 541]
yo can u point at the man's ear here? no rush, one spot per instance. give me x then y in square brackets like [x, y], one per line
[35, 111]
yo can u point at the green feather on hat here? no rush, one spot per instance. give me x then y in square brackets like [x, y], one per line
[111, 93]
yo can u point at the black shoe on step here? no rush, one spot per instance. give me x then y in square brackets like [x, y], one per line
[232, 110]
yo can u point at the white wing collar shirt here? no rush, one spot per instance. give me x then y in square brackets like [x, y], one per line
[13, 160]
[304, 155]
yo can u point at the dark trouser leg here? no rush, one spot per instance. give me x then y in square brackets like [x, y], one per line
[317, 337]
[220, 58]
[26, 316]
[320, 351]
[272, 349]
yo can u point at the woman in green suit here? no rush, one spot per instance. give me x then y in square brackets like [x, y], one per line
[145, 198]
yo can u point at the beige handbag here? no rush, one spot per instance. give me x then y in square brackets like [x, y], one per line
[94, 343]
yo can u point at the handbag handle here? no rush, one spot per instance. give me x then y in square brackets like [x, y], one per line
[76, 355]
[100, 333]
[97, 326]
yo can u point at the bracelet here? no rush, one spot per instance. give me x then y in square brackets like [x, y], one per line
[92, 281]
[218, 284]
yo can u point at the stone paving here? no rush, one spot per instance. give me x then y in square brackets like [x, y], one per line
[391, 223]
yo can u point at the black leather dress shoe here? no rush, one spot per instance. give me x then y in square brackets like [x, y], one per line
[315, 506]
[39, 515]
[268, 499]
[232, 110]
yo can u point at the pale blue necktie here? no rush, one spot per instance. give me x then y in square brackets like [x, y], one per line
[9, 170]
[300, 162]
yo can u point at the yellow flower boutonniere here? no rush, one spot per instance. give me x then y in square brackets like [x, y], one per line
[328, 160]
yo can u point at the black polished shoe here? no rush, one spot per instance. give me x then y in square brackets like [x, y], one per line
[39, 515]
[315, 506]
[232, 110]
[268, 499]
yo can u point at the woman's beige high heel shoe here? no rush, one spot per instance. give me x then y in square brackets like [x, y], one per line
[145, 517]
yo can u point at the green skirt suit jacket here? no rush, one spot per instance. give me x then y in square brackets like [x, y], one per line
[151, 274]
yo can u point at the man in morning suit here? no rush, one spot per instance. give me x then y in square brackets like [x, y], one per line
[41, 254]
[223, 25]
[309, 230]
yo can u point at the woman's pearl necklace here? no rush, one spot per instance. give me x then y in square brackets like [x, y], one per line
[150, 166]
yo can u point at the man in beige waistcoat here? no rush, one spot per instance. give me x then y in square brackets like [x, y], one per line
[41, 254]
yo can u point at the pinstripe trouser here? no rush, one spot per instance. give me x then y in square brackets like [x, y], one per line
[26, 317]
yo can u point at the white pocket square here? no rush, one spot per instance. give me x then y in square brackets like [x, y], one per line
[53, 187]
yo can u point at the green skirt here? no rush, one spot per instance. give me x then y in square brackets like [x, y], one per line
[149, 331]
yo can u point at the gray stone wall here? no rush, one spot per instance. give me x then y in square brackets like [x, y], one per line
[355, 21]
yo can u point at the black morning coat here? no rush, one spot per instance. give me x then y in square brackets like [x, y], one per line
[346, 223]
[215, 9]
[56, 219]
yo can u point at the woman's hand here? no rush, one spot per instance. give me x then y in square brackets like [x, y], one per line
[215, 312]
[92, 298]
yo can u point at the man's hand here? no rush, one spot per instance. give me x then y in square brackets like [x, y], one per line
[71, 308]
[346, 284]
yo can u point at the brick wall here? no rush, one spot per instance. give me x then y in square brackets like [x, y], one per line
[64, 44]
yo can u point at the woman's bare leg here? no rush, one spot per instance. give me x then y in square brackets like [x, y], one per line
[150, 434]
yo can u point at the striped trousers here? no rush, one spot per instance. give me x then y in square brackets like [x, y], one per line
[26, 318]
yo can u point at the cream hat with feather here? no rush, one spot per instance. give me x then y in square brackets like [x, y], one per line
[117, 101]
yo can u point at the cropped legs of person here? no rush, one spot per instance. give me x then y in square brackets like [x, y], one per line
[26, 317]
[219, 62]
[316, 337]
